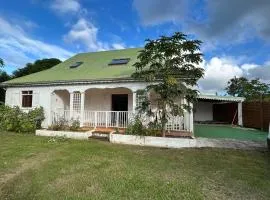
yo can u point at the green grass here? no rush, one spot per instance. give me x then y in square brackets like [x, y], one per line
[31, 167]
[226, 131]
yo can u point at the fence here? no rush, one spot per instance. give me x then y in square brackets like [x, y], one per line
[256, 115]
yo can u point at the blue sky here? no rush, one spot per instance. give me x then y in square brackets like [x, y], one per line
[236, 33]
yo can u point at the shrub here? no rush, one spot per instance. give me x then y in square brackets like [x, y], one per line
[137, 128]
[14, 119]
[60, 125]
[75, 125]
[63, 125]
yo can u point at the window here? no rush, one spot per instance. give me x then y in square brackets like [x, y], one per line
[121, 61]
[27, 99]
[75, 65]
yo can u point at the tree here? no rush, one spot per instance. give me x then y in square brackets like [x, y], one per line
[169, 66]
[37, 66]
[250, 89]
[3, 77]
[1, 62]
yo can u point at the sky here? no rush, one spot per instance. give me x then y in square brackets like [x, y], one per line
[235, 33]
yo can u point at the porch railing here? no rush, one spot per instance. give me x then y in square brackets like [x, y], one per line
[113, 119]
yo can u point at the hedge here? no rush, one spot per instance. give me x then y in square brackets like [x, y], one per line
[14, 119]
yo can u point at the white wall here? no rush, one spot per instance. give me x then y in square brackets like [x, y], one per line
[204, 111]
[100, 99]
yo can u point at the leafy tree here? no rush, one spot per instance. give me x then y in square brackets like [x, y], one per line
[37, 66]
[1, 62]
[169, 65]
[250, 89]
[3, 77]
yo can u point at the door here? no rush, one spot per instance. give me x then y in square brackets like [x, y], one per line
[119, 103]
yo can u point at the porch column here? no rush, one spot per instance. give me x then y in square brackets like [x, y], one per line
[82, 109]
[71, 104]
[240, 117]
[51, 112]
[191, 121]
[134, 102]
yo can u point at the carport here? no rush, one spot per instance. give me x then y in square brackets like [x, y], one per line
[218, 109]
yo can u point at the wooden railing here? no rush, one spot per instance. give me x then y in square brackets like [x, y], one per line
[116, 119]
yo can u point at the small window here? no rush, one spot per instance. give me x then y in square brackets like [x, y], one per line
[121, 61]
[27, 99]
[76, 64]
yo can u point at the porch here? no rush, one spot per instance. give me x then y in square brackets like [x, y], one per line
[105, 108]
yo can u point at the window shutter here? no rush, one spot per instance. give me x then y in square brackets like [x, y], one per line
[35, 99]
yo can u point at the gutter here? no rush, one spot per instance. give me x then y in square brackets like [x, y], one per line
[66, 82]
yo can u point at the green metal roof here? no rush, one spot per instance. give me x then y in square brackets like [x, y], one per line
[95, 67]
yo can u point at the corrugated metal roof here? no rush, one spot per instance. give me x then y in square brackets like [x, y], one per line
[221, 98]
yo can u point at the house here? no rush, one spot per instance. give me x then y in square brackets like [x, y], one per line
[96, 89]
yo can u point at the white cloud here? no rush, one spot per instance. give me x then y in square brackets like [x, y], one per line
[217, 73]
[86, 34]
[66, 6]
[17, 47]
[118, 46]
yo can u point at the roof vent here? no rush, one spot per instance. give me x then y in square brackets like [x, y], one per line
[75, 65]
[121, 61]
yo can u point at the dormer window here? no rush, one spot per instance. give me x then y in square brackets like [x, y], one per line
[75, 65]
[121, 61]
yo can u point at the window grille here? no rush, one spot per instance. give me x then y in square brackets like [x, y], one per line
[77, 101]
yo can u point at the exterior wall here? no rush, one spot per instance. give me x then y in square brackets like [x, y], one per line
[60, 100]
[42, 95]
[100, 99]
[204, 111]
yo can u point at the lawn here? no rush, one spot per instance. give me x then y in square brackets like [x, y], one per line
[34, 167]
[227, 131]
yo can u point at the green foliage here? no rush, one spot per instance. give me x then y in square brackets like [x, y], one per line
[58, 139]
[250, 89]
[137, 128]
[14, 119]
[59, 125]
[63, 125]
[37, 66]
[3, 77]
[1, 62]
[75, 125]
[170, 65]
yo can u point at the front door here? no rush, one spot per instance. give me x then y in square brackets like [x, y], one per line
[119, 103]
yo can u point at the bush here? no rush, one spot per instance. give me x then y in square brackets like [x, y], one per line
[75, 125]
[137, 128]
[60, 125]
[14, 119]
[63, 125]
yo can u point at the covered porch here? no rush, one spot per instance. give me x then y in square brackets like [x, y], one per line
[105, 108]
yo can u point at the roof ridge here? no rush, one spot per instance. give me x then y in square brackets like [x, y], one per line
[111, 50]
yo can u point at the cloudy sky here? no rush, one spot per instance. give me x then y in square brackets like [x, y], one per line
[236, 33]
